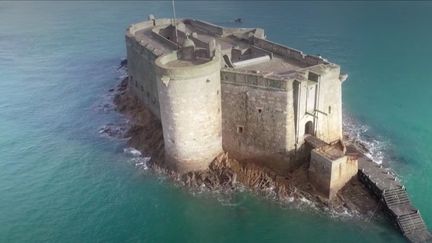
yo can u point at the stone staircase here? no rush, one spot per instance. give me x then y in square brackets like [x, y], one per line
[385, 186]
[395, 197]
[408, 219]
[410, 223]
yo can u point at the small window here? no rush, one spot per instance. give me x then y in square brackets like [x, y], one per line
[259, 110]
[136, 83]
[217, 92]
[329, 111]
[313, 76]
[239, 129]
[208, 80]
[142, 88]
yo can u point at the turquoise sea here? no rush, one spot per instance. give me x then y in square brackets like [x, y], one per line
[61, 181]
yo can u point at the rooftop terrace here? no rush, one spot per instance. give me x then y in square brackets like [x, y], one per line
[242, 48]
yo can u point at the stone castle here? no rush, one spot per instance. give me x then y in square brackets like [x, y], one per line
[222, 90]
[231, 90]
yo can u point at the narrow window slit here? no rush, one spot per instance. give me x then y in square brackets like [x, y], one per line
[240, 129]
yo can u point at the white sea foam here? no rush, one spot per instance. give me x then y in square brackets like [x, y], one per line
[375, 146]
[344, 214]
[289, 199]
[137, 159]
[132, 151]
[307, 202]
[141, 162]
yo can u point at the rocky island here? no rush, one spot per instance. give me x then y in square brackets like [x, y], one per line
[215, 107]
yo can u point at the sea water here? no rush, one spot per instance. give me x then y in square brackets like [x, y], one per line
[62, 181]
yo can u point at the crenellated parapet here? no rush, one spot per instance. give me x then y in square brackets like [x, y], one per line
[287, 52]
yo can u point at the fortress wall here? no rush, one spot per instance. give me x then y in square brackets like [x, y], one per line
[258, 119]
[329, 175]
[164, 21]
[142, 77]
[319, 101]
[329, 127]
[286, 52]
[218, 30]
[300, 97]
[197, 41]
[190, 101]
[240, 77]
[313, 60]
[132, 29]
[164, 40]
[207, 27]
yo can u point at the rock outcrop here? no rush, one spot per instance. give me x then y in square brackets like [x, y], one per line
[225, 173]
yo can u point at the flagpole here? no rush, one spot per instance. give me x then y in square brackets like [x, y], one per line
[175, 22]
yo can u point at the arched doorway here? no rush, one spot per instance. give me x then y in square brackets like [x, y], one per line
[309, 128]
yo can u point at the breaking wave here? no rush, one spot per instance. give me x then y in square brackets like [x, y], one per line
[140, 161]
[133, 152]
[374, 146]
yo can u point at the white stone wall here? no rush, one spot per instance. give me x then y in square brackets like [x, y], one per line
[190, 104]
[329, 176]
[320, 102]
[142, 76]
[329, 125]
[258, 120]
[263, 117]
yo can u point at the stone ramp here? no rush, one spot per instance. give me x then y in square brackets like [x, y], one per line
[383, 183]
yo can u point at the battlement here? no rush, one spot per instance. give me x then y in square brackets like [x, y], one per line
[288, 53]
[244, 48]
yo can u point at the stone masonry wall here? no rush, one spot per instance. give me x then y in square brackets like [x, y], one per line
[258, 119]
[190, 102]
[289, 53]
[329, 121]
[263, 117]
[142, 77]
[329, 176]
